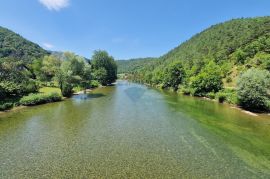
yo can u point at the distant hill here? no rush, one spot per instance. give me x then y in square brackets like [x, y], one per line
[235, 46]
[132, 65]
[14, 45]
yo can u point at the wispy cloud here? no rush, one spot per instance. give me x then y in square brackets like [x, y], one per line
[55, 4]
[48, 45]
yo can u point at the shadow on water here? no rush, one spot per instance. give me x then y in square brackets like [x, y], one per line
[88, 96]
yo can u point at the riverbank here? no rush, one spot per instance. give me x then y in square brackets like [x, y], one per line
[44, 96]
[159, 134]
[227, 96]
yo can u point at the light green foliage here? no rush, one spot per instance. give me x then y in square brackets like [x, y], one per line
[101, 76]
[40, 98]
[73, 72]
[94, 84]
[50, 66]
[253, 89]
[211, 95]
[102, 61]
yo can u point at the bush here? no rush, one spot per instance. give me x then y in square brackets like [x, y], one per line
[221, 96]
[231, 96]
[252, 89]
[186, 91]
[211, 95]
[6, 106]
[39, 98]
[94, 84]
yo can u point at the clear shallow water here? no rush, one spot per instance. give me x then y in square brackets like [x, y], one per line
[131, 131]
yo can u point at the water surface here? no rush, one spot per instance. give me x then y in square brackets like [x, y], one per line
[131, 131]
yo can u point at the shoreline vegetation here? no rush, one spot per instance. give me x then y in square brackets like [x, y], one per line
[228, 62]
[50, 97]
[213, 99]
[53, 78]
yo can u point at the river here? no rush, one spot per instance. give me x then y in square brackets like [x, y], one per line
[133, 131]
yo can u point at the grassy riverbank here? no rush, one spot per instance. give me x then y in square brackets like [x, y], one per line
[44, 95]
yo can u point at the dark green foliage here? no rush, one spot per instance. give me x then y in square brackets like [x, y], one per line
[6, 106]
[36, 99]
[106, 66]
[221, 97]
[253, 89]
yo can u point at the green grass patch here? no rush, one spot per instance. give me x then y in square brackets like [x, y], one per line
[47, 90]
[40, 98]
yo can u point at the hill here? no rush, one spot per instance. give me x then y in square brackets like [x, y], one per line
[15, 46]
[211, 62]
[132, 65]
[234, 45]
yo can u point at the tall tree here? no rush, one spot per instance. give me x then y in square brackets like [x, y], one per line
[101, 59]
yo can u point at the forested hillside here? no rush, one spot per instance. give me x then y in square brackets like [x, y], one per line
[13, 45]
[211, 62]
[133, 65]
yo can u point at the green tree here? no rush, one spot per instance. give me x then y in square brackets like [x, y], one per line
[74, 71]
[101, 76]
[253, 89]
[101, 59]
[173, 75]
[50, 66]
[15, 78]
[208, 80]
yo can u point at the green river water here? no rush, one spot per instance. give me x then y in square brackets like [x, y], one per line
[132, 131]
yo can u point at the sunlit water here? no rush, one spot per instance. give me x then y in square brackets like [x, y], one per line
[131, 131]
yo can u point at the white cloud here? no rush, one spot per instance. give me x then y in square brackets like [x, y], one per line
[55, 4]
[48, 45]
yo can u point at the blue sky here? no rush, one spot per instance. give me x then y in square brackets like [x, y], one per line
[125, 28]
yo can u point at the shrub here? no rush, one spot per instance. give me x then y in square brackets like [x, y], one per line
[6, 106]
[186, 91]
[221, 96]
[231, 96]
[94, 84]
[211, 95]
[252, 89]
[39, 98]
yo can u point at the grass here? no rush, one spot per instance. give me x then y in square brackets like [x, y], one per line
[40, 98]
[44, 95]
[47, 90]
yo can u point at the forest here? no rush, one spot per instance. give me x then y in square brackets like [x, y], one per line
[229, 62]
[30, 75]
